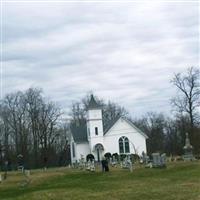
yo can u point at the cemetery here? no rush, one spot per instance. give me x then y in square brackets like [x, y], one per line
[119, 183]
[125, 176]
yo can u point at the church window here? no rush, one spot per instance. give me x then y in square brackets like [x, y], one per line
[124, 145]
[96, 130]
[121, 148]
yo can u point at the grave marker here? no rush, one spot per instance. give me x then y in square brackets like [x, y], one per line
[159, 161]
[188, 148]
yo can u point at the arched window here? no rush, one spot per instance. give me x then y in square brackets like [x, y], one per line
[121, 145]
[124, 145]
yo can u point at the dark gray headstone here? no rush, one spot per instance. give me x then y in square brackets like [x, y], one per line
[158, 161]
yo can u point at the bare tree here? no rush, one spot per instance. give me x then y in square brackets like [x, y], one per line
[29, 126]
[14, 115]
[153, 124]
[188, 98]
[187, 102]
[34, 101]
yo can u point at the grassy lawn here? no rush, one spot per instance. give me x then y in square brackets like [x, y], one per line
[179, 181]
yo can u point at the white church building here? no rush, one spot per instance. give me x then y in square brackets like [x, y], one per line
[121, 137]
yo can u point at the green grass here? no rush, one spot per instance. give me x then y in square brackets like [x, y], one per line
[179, 181]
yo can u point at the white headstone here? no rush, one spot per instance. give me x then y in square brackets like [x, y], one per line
[1, 178]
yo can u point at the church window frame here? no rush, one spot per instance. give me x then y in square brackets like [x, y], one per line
[124, 146]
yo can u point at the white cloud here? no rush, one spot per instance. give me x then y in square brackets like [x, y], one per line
[123, 52]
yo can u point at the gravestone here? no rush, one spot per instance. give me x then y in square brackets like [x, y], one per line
[82, 163]
[90, 166]
[127, 163]
[130, 164]
[163, 159]
[158, 161]
[20, 161]
[27, 173]
[188, 150]
[147, 162]
[141, 158]
[145, 159]
[114, 162]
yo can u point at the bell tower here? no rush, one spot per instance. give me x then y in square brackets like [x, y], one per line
[94, 123]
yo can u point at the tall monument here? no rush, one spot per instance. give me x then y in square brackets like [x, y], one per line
[188, 149]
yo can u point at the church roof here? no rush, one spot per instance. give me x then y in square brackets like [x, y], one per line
[79, 132]
[107, 127]
[93, 104]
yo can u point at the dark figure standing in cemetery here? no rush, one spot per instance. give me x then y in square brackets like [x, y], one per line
[106, 166]
[104, 163]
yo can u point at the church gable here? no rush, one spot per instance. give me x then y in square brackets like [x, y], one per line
[124, 126]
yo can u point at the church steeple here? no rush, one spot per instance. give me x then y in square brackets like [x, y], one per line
[93, 104]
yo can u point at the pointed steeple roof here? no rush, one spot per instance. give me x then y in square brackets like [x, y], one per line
[93, 104]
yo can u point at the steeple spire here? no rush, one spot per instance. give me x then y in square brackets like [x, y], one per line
[93, 104]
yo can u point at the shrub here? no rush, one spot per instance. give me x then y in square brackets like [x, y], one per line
[135, 157]
[115, 156]
[108, 155]
[90, 157]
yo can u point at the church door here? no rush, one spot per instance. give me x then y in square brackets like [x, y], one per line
[98, 155]
[99, 150]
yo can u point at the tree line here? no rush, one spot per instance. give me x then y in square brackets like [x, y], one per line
[33, 126]
[166, 133]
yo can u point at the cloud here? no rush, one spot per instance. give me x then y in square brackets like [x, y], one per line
[124, 52]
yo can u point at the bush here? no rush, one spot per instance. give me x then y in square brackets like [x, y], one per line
[108, 155]
[90, 157]
[134, 157]
[122, 157]
[115, 156]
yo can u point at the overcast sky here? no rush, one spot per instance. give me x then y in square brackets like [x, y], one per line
[123, 52]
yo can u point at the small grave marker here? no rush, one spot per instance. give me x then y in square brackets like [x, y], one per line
[1, 178]
[127, 163]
